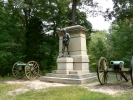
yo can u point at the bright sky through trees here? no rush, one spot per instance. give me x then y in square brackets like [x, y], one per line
[99, 22]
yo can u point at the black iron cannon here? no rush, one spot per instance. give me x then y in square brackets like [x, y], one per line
[116, 66]
[30, 70]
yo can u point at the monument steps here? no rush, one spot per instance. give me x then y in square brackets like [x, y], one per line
[67, 80]
[74, 76]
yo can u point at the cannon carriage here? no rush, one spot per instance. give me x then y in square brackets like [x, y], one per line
[116, 66]
[21, 69]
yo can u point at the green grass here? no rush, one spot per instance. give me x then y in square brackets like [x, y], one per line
[4, 88]
[60, 93]
[128, 95]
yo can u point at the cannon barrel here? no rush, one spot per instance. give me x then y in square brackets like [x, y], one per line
[117, 65]
[116, 62]
[24, 64]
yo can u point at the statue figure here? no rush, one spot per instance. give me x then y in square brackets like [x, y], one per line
[65, 43]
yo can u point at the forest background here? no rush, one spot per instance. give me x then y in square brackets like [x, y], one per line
[28, 32]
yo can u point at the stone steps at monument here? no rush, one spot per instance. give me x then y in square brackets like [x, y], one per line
[67, 80]
[74, 76]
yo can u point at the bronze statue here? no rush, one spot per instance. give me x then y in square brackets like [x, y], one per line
[65, 43]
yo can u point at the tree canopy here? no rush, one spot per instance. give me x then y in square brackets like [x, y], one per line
[121, 9]
[25, 31]
[28, 31]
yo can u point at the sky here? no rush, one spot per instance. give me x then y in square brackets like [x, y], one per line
[98, 22]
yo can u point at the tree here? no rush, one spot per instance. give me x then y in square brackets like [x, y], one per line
[121, 40]
[82, 5]
[97, 48]
[122, 9]
[11, 39]
[34, 38]
[21, 34]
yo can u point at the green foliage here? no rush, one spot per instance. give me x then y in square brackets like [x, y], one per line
[23, 31]
[118, 44]
[48, 53]
[10, 41]
[34, 38]
[122, 9]
[121, 41]
[97, 48]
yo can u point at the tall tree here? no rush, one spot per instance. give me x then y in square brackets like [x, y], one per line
[11, 38]
[74, 4]
[97, 48]
[121, 40]
[21, 25]
[122, 9]
[34, 38]
[83, 4]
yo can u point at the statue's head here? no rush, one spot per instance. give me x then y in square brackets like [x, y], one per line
[64, 30]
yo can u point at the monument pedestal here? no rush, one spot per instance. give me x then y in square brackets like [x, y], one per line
[64, 65]
[74, 69]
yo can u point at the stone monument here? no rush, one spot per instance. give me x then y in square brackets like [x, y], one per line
[73, 69]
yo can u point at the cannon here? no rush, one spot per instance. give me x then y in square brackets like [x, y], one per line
[116, 66]
[21, 69]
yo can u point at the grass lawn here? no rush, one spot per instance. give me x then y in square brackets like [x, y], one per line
[75, 92]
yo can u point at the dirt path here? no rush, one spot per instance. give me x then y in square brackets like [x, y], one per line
[109, 88]
[28, 85]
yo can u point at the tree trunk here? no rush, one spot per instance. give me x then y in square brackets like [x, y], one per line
[74, 4]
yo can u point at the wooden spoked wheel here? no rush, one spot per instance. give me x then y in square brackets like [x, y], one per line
[102, 72]
[131, 70]
[18, 71]
[32, 70]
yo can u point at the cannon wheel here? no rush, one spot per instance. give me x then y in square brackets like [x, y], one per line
[102, 72]
[18, 71]
[32, 70]
[132, 70]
